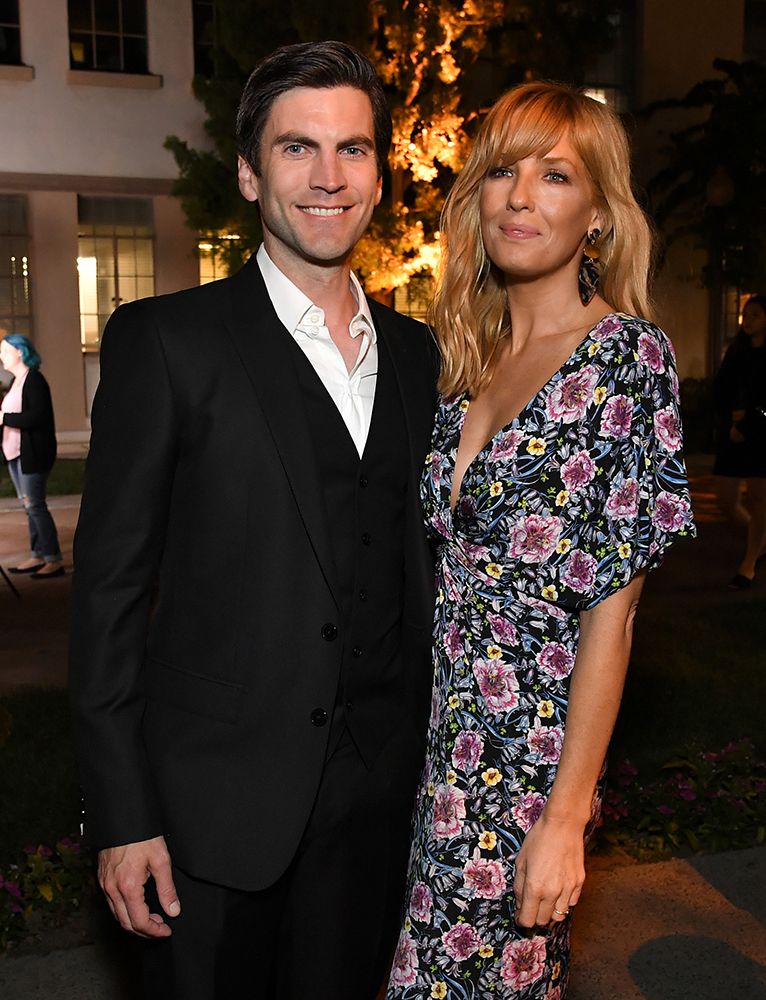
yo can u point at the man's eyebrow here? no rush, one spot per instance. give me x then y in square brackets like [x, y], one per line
[303, 140]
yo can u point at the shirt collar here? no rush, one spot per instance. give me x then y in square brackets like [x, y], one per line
[295, 309]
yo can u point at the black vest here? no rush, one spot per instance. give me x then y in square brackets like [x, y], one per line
[365, 503]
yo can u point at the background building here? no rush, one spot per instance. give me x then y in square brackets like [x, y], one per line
[88, 92]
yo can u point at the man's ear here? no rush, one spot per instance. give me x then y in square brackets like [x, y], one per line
[248, 182]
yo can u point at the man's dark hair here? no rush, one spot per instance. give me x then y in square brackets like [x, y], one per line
[321, 65]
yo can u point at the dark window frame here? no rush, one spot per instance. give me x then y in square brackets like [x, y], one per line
[11, 30]
[129, 49]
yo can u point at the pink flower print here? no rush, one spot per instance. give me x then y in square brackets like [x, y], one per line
[623, 500]
[405, 968]
[555, 660]
[498, 685]
[554, 993]
[452, 642]
[607, 325]
[523, 962]
[650, 353]
[569, 400]
[578, 471]
[506, 446]
[421, 902]
[436, 468]
[580, 571]
[533, 538]
[486, 878]
[546, 741]
[526, 809]
[461, 941]
[671, 512]
[617, 417]
[467, 751]
[503, 631]
[667, 427]
[449, 811]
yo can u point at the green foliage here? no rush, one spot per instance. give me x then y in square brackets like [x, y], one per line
[714, 186]
[701, 802]
[66, 479]
[43, 889]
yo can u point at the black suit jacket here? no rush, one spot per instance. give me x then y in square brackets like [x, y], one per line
[204, 581]
[38, 431]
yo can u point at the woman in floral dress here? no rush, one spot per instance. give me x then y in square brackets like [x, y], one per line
[555, 481]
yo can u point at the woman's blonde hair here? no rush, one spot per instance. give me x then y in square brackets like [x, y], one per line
[470, 310]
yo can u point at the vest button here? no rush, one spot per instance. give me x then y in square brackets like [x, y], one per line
[329, 632]
[364, 481]
[356, 652]
[366, 538]
[318, 717]
[363, 595]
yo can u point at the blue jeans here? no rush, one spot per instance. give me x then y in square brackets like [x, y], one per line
[30, 489]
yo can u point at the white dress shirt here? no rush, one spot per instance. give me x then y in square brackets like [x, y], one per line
[353, 392]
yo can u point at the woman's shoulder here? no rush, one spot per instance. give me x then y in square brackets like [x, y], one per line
[649, 345]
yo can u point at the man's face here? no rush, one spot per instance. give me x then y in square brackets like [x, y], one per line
[318, 182]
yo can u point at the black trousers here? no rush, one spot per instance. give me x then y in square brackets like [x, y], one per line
[327, 929]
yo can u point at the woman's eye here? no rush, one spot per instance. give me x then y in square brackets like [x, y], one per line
[557, 176]
[501, 172]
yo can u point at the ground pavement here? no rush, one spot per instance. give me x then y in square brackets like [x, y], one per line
[676, 930]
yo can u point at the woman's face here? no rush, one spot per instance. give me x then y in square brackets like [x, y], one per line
[10, 356]
[754, 320]
[535, 213]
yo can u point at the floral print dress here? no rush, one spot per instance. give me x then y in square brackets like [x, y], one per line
[559, 510]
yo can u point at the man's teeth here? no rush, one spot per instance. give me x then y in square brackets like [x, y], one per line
[323, 211]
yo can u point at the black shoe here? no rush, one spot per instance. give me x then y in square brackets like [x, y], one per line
[27, 569]
[740, 582]
[48, 576]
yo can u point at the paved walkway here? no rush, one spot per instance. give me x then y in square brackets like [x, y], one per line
[678, 930]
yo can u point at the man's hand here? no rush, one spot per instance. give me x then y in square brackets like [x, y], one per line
[122, 874]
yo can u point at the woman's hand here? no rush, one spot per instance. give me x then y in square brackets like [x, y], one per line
[550, 871]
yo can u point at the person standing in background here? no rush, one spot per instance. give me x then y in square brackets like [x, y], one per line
[739, 394]
[29, 448]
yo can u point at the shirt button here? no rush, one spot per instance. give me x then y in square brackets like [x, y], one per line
[364, 481]
[329, 632]
[356, 652]
[315, 318]
[363, 595]
[349, 706]
[318, 717]
[366, 538]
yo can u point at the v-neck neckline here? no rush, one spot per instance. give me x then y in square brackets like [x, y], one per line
[510, 424]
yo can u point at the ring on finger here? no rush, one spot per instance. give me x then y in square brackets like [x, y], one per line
[561, 913]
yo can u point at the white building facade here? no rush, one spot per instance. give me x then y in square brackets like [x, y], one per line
[88, 93]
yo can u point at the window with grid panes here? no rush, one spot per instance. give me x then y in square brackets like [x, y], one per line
[115, 259]
[10, 33]
[15, 303]
[108, 35]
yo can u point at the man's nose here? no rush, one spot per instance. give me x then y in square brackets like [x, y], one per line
[327, 173]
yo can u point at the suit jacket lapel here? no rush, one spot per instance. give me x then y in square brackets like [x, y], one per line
[262, 344]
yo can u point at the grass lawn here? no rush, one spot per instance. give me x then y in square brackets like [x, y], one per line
[66, 478]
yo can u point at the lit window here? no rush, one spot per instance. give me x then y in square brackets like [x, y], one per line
[15, 303]
[10, 33]
[115, 259]
[108, 35]
[214, 252]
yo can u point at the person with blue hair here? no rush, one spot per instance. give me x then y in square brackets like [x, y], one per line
[28, 442]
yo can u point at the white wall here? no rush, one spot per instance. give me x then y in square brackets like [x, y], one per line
[48, 125]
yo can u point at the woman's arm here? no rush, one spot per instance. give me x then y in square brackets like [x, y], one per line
[550, 868]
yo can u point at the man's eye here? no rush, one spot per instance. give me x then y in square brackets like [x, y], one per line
[294, 147]
[355, 150]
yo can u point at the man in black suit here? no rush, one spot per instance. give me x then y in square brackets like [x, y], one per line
[252, 597]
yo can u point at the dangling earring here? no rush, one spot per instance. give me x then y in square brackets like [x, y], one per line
[589, 275]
